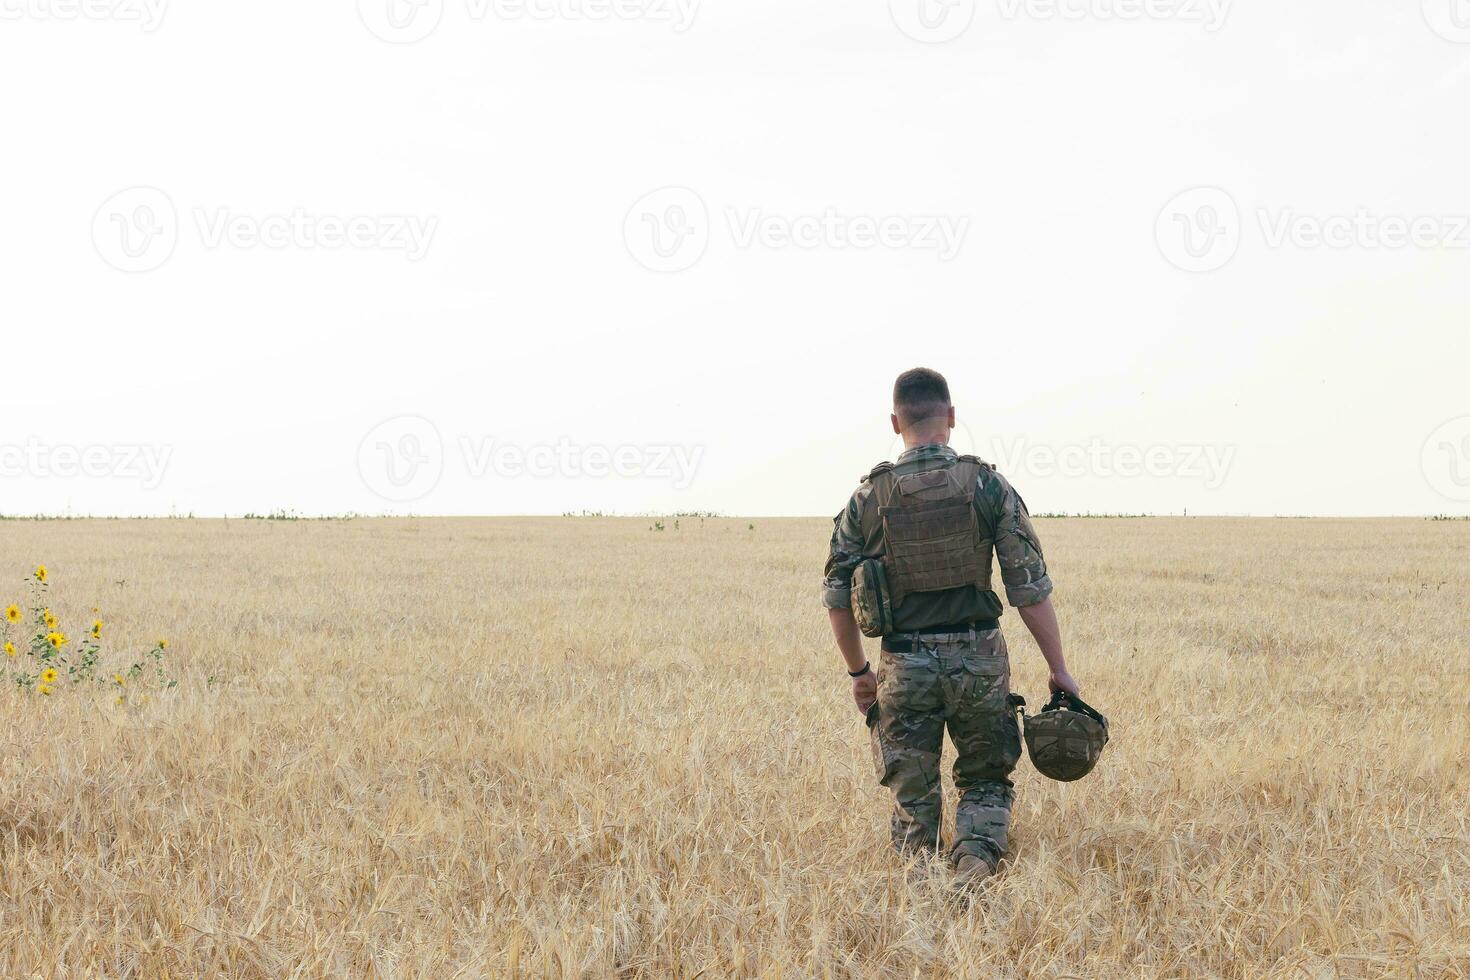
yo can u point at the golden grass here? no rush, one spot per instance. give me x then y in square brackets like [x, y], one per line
[465, 748]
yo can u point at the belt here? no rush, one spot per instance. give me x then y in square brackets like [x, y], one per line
[910, 641]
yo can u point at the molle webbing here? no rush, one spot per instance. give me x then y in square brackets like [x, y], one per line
[931, 542]
[931, 545]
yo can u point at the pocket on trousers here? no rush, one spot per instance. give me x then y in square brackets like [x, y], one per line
[908, 683]
[987, 663]
[987, 679]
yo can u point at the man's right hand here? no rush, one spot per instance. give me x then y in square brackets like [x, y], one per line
[865, 691]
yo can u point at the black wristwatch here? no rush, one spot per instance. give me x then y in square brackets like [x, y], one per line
[867, 669]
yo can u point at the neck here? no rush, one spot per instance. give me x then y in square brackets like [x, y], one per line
[924, 437]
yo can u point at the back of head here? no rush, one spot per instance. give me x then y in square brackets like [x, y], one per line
[920, 394]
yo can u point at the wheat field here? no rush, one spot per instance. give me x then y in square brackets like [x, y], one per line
[586, 747]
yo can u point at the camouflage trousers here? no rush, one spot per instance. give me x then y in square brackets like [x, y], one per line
[959, 680]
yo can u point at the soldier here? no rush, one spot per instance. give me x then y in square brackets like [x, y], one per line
[911, 561]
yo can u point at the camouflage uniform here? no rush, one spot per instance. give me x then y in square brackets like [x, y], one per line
[959, 677]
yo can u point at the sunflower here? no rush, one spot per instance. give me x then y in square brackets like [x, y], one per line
[121, 681]
[48, 676]
[50, 619]
[45, 689]
[97, 630]
[162, 643]
[12, 613]
[41, 574]
[9, 649]
[57, 640]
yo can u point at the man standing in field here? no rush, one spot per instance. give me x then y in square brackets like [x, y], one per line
[911, 562]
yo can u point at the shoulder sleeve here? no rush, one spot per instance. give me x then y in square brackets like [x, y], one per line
[1004, 516]
[844, 553]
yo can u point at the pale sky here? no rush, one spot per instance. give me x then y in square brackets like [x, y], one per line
[656, 255]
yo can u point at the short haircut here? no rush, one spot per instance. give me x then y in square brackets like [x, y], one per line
[920, 394]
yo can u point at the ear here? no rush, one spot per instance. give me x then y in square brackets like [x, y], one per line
[896, 430]
[951, 416]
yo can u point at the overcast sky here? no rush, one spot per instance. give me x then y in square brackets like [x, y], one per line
[479, 257]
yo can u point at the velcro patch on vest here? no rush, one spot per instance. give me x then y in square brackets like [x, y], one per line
[918, 483]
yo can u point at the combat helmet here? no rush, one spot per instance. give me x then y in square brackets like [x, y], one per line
[1065, 738]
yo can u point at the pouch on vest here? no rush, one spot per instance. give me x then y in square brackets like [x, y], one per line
[871, 603]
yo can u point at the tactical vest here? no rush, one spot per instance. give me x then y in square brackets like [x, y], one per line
[936, 559]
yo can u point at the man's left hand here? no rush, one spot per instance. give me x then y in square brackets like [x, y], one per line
[1062, 681]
